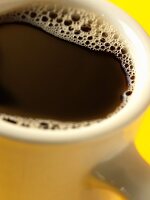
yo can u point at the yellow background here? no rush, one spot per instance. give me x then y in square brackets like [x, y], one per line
[140, 10]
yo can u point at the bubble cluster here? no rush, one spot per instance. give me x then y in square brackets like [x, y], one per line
[79, 26]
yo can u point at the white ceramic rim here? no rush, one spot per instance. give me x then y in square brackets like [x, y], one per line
[137, 104]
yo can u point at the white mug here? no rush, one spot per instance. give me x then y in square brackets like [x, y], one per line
[55, 164]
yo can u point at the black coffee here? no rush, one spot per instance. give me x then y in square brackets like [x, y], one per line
[44, 76]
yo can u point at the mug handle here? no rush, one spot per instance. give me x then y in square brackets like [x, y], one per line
[128, 172]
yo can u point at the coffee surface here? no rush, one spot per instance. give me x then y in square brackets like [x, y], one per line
[44, 76]
[61, 64]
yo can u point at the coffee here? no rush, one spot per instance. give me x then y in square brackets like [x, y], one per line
[63, 64]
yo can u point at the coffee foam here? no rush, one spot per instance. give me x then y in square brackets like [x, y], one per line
[83, 28]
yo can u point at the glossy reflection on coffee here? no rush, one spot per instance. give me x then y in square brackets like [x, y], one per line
[44, 75]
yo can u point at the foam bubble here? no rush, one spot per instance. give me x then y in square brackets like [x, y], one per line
[79, 26]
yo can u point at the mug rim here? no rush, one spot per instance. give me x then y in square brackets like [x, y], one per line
[108, 126]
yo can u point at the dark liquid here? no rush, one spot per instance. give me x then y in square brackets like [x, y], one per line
[46, 77]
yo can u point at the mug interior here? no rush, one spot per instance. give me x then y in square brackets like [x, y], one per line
[139, 48]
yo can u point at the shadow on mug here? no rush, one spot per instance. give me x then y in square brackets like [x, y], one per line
[96, 189]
